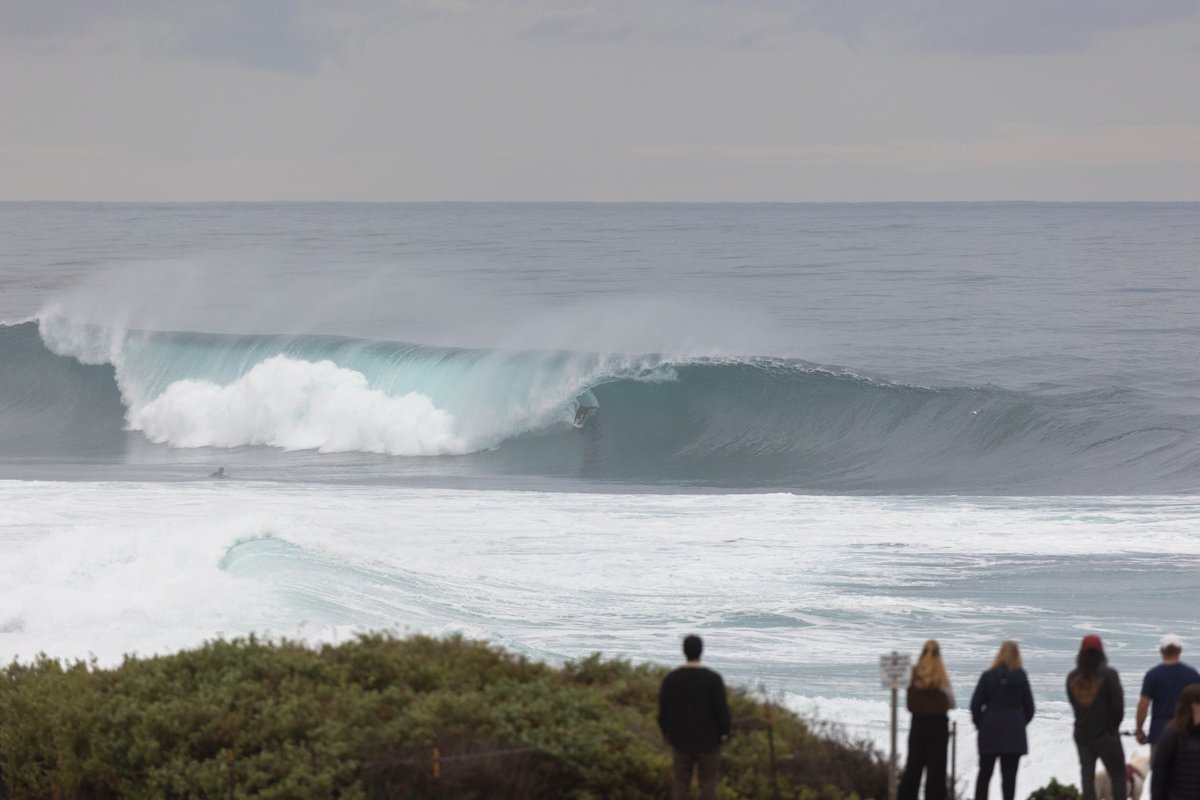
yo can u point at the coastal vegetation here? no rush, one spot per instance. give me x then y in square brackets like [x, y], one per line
[384, 717]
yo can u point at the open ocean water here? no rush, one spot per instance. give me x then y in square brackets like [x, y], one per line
[817, 433]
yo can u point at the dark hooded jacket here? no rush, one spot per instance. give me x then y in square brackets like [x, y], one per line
[1101, 717]
[1001, 707]
[1175, 773]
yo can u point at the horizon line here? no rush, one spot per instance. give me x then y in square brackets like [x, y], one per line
[61, 201]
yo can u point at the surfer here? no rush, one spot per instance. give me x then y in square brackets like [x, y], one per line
[585, 405]
[220, 473]
[581, 415]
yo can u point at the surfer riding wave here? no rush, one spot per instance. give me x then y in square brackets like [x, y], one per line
[586, 409]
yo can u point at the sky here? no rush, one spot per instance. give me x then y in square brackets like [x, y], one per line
[600, 100]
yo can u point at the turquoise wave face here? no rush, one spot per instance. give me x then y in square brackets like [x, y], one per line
[748, 422]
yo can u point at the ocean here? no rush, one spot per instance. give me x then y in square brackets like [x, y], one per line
[811, 433]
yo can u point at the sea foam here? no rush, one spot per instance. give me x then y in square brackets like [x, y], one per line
[298, 405]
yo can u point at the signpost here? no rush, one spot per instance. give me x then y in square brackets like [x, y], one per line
[893, 668]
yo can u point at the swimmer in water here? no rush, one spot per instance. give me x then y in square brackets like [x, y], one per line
[220, 473]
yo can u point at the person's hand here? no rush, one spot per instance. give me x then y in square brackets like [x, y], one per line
[1140, 735]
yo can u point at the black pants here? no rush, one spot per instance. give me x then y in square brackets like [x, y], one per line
[708, 769]
[927, 739]
[1108, 749]
[1008, 774]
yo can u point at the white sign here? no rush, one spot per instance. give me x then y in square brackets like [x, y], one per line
[893, 668]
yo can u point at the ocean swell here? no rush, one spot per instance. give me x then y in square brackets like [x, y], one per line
[738, 422]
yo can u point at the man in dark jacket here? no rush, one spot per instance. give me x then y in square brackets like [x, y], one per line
[693, 714]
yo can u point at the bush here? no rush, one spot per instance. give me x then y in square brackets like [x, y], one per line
[1055, 791]
[363, 719]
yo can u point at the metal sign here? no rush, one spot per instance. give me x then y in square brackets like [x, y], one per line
[893, 668]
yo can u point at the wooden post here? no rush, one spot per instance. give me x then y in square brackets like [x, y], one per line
[953, 759]
[230, 775]
[771, 750]
[893, 667]
[892, 760]
[437, 765]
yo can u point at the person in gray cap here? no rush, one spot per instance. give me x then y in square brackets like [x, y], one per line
[1160, 690]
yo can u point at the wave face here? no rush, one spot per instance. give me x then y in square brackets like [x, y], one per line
[54, 406]
[83, 391]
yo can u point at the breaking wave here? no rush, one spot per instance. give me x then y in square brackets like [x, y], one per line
[74, 390]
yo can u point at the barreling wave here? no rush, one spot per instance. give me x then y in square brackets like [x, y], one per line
[75, 389]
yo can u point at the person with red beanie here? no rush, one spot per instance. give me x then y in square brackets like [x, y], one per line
[1095, 692]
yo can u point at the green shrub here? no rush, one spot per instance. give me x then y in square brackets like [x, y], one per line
[363, 719]
[1055, 791]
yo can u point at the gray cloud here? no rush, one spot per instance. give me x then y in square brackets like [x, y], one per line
[986, 27]
[580, 26]
[264, 34]
[295, 35]
[46, 19]
[278, 35]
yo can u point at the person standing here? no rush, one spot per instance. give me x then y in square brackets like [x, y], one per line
[1001, 707]
[693, 715]
[1160, 690]
[1096, 696]
[929, 699]
[1175, 768]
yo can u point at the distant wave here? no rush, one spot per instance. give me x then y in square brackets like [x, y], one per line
[74, 389]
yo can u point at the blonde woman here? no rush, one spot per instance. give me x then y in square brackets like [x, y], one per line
[1001, 708]
[930, 700]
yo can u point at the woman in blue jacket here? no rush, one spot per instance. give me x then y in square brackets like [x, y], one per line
[1001, 708]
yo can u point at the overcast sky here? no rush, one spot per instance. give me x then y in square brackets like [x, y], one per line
[689, 100]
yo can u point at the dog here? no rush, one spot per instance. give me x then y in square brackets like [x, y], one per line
[1135, 778]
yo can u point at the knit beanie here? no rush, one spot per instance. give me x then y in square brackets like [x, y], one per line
[1091, 642]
